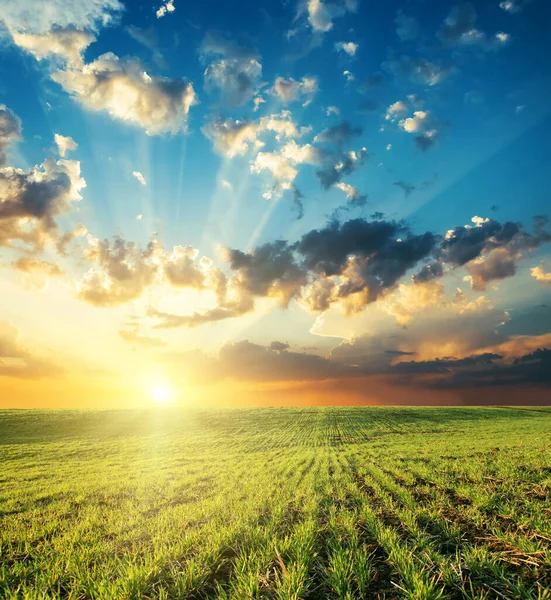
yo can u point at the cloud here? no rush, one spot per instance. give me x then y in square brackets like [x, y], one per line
[31, 200]
[279, 346]
[282, 164]
[540, 275]
[119, 86]
[459, 29]
[64, 144]
[423, 125]
[268, 271]
[395, 110]
[322, 14]
[338, 165]
[407, 28]
[408, 188]
[407, 300]
[231, 137]
[131, 334]
[121, 272]
[332, 110]
[182, 270]
[18, 361]
[37, 271]
[513, 6]
[33, 17]
[290, 90]
[340, 135]
[166, 8]
[353, 195]
[349, 76]
[464, 244]
[236, 74]
[10, 131]
[347, 47]
[481, 370]
[368, 257]
[419, 70]
[139, 177]
[246, 361]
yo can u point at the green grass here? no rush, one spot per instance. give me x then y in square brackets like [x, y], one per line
[418, 503]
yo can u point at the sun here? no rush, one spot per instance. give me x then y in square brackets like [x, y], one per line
[162, 391]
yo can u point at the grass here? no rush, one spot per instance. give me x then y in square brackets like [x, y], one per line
[320, 503]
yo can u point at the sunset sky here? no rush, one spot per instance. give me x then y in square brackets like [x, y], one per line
[274, 202]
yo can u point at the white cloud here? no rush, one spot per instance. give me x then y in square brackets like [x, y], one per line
[139, 217]
[290, 90]
[120, 87]
[332, 110]
[167, 7]
[540, 275]
[257, 101]
[139, 177]
[395, 109]
[64, 144]
[233, 137]
[347, 47]
[35, 16]
[226, 184]
[415, 123]
[389, 146]
[321, 14]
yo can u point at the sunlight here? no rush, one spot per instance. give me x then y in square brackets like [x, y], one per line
[162, 392]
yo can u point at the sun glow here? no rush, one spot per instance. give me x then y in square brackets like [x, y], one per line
[162, 392]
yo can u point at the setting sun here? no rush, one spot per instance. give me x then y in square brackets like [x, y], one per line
[162, 392]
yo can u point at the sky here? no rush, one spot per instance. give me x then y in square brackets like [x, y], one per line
[276, 202]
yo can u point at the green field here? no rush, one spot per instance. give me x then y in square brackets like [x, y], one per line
[276, 503]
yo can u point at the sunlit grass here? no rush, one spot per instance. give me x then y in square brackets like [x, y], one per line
[276, 503]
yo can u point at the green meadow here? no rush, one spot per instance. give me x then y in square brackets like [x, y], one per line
[313, 503]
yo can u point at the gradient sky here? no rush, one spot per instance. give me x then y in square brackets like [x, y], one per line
[275, 202]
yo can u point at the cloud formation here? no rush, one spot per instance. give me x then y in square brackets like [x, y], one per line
[459, 29]
[119, 86]
[10, 131]
[64, 144]
[236, 72]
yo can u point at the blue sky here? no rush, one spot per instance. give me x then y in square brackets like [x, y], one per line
[223, 129]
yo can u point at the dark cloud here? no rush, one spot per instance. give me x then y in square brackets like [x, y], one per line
[298, 203]
[270, 270]
[340, 135]
[408, 188]
[425, 142]
[483, 370]
[338, 165]
[279, 346]
[245, 361]
[10, 131]
[446, 364]
[398, 353]
[429, 272]
[37, 197]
